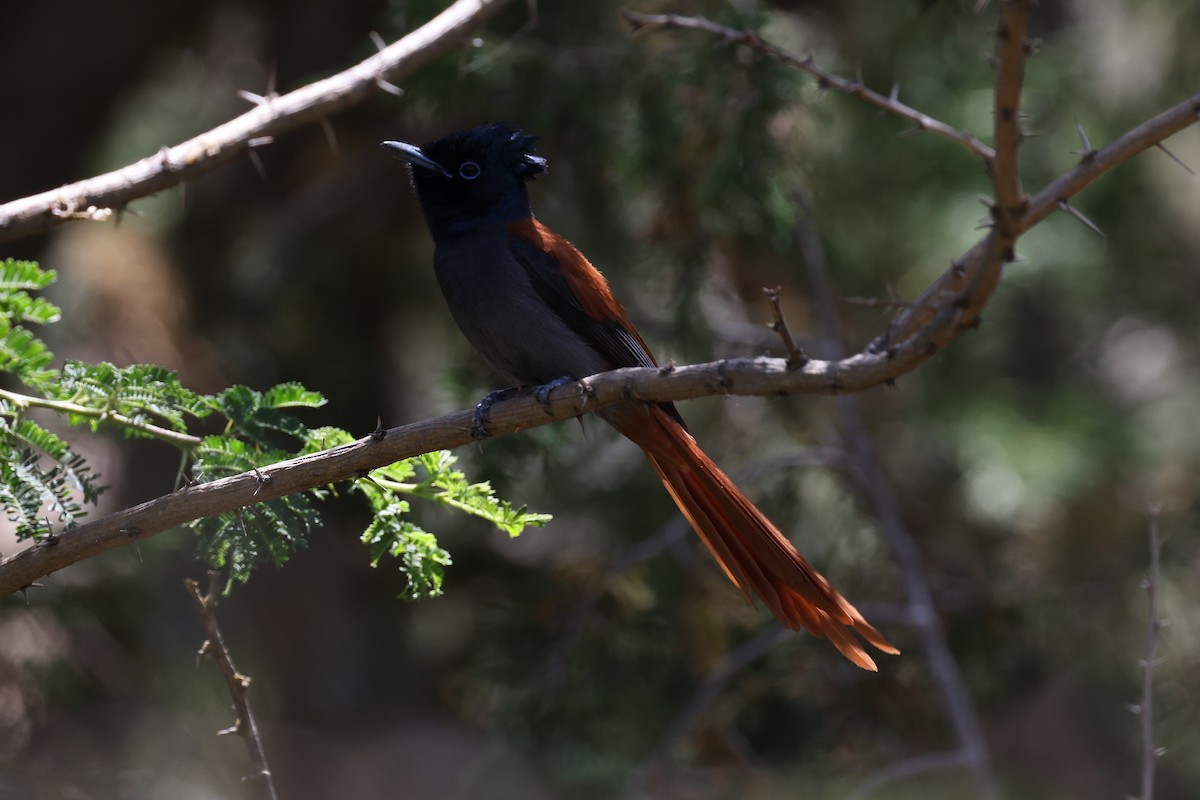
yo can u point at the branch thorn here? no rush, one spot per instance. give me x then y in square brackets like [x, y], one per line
[330, 136]
[1174, 158]
[1088, 152]
[261, 479]
[258, 166]
[1063, 205]
[390, 88]
[251, 97]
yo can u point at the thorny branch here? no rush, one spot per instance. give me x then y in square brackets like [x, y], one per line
[99, 197]
[946, 309]
[825, 79]
[238, 684]
[1010, 75]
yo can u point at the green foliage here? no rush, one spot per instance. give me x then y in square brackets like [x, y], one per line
[41, 477]
[15, 303]
[29, 487]
[265, 532]
[449, 486]
[22, 353]
[253, 414]
[392, 533]
[142, 393]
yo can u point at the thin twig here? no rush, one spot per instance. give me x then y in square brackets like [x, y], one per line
[99, 197]
[177, 438]
[796, 357]
[923, 615]
[1154, 624]
[237, 683]
[825, 79]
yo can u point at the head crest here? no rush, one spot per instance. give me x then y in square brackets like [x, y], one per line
[498, 143]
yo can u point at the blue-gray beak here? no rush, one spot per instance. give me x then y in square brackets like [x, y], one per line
[412, 154]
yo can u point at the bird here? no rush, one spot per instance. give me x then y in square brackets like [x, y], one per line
[541, 314]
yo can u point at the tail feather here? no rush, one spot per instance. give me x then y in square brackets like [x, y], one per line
[754, 555]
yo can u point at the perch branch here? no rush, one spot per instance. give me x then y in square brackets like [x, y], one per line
[101, 196]
[743, 376]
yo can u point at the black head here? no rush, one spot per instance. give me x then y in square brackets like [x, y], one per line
[472, 178]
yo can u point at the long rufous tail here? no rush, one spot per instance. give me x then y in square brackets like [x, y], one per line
[751, 550]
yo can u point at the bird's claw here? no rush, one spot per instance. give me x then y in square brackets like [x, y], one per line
[479, 421]
[542, 393]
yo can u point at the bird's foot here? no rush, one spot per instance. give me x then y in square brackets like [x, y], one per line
[542, 393]
[479, 421]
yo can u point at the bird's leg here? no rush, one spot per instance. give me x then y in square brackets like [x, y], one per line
[542, 393]
[479, 421]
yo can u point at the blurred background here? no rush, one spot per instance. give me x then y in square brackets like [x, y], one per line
[605, 655]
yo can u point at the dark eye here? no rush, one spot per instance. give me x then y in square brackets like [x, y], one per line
[469, 170]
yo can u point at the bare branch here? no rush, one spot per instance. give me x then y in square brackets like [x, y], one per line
[825, 79]
[99, 197]
[973, 276]
[237, 683]
[743, 376]
[1149, 134]
[1010, 75]
[796, 357]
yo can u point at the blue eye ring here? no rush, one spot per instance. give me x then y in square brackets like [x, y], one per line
[469, 170]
